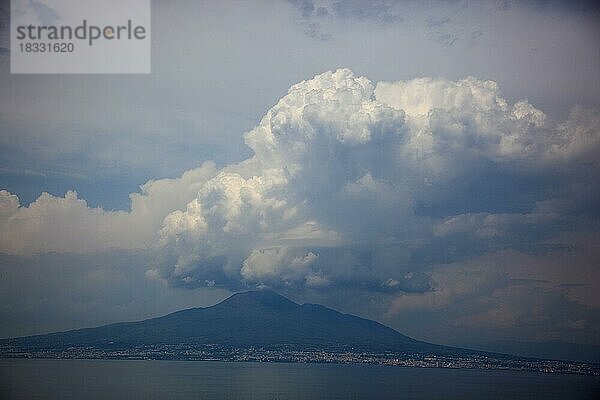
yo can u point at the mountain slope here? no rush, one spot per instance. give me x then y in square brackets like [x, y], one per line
[257, 318]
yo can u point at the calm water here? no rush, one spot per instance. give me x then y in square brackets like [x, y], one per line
[99, 379]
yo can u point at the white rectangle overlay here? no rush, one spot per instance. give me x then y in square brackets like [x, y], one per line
[80, 37]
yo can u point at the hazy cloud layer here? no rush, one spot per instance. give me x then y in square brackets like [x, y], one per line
[58, 291]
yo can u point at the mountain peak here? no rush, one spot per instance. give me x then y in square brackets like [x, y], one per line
[262, 297]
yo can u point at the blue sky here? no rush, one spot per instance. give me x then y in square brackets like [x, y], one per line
[430, 166]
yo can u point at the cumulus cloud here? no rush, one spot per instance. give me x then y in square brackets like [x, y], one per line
[67, 224]
[351, 184]
[279, 264]
[367, 166]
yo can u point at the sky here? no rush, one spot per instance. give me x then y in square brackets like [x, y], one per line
[430, 165]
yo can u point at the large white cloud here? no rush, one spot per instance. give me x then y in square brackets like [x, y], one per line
[357, 161]
[350, 183]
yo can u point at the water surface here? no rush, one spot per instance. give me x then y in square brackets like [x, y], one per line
[107, 379]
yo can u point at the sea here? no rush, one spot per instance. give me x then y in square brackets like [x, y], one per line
[127, 379]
